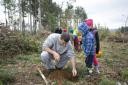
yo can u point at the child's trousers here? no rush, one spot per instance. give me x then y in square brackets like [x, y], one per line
[95, 61]
[89, 61]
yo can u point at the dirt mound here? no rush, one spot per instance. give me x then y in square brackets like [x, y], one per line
[61, 75]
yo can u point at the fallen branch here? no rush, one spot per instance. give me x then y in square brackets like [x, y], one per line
[42, 75]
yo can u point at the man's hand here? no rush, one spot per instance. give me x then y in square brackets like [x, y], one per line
[56, 56]
[74, 72]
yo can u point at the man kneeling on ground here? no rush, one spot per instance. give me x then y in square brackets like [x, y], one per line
[58, 48]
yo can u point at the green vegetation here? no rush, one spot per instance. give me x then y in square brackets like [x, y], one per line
[32, 58]
[107, 82]
[6, 76]
[124, 74]
[103, 33]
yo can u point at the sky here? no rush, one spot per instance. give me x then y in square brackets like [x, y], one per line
[110, 13]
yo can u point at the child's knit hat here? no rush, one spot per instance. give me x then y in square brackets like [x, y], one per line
[89, 22]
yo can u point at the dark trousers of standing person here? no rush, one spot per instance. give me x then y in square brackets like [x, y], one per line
[89, 61]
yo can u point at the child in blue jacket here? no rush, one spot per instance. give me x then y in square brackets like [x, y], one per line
[88, 45]
[94, 31]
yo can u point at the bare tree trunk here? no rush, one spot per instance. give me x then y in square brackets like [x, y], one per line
[39, 16]
[30, 18]
[23, 22]
[20, 16]
[35, 19]
[8, 19]
[14, 12]
[6, 22]
[34, 25]
[23, 26]
[31, 23]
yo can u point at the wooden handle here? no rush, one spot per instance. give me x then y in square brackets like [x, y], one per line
[42, 75]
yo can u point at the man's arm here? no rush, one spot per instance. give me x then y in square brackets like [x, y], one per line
[49, 50]
[73, 62]
[47, 45]
[70, 53]
[56, 56]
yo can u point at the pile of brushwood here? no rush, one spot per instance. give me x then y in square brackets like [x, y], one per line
[123, 37]
[13, 43]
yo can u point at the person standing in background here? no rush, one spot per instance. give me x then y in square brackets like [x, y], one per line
[88, 45]
[58, 30]
[94, 31]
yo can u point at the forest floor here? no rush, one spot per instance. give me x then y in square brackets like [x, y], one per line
[22, 70]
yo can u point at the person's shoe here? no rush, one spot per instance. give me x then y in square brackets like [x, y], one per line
[97, 70]
[90, 70]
